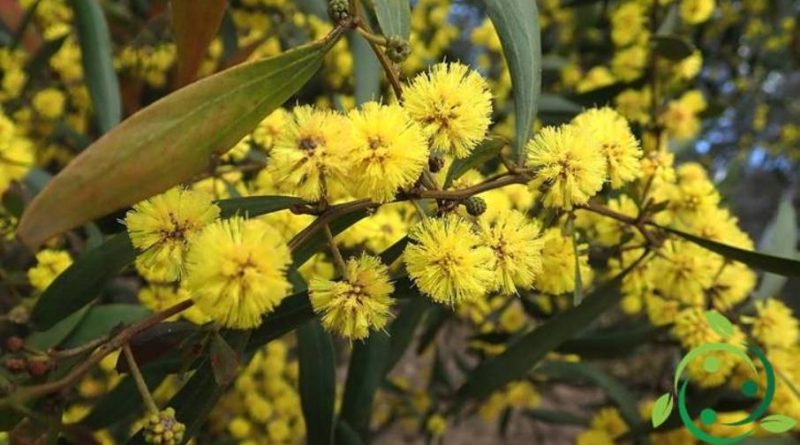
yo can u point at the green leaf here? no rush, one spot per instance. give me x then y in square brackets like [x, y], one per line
[346, 435]
[777, 423]
[662, 408]
[317, 381]
[672, 47]
[316, 7]
[616, 390]
[521, 355]
[102, 320]
[517, 25]
[555, 417]
[82, 281]
[44, 340]
[611, 343]
[780, 239]
[364, 376]
[224, 361]
[168, 143]
[194, 25]
[487, 150]
[292, 312]
[719, 324]
[256, 205]
[401, 331]
[394, 16]
[98, 63]
[577, 295]
[367, 70]
[767, 263]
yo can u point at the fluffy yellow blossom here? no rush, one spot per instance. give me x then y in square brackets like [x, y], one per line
[49, 103]
[611, 135]
[558, 264]
[684, 271]
[628, 64]
[310, 152]
[627, 21]
[436, 425]
[453, 105]
[49, 265]
[568, 170]
[594, 437]
[514, 240]
[774, 324]
[162, 227]
[448, 261]
[236, 271]
[694, 12]
[359, 302]
[16, 153]
[388, 153]
[268, 130]
[160, 297]
[610, 421]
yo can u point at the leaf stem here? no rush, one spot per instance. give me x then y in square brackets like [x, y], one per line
[337, 255]
[141, 385]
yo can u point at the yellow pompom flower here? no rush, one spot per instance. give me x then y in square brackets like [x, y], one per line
[514, 239]
[160, 297]
[49, 265]
[774, 325]
[695, 12]
[267, 132]
[611, 135]
[360, 302]
[568, 170]
[610, 421]
[162, 227]
[683, 271]
[453, 105]
[448, 261]
[310, 152]
[49, 103]
[236, 271]
[389, 151]
[558, 264]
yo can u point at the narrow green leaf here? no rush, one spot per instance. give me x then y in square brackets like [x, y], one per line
[367, 70]
[293, 311]
[611, 343]
[662, 408]
[625, 400]
[346, 435]
[364, 376]
[256, 205]
[555, 417]
[402, 329]
[577, 295]
[672, 47]
[194, 25]
[780, 239]
[44, 340]
[768, 263]
[487, 150]
[153, 150]
[317, 381]
[24, 24]
[517, 25]
[224, 361]
[102, 320]
[521, 355]
[82, 281]
[394, 16]
[98, 63]
[777, 423]
[719, 324]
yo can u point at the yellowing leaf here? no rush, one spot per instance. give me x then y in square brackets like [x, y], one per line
[168, 143]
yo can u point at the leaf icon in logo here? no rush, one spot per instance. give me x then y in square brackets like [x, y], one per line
[777, 423]
[719, 324]
[661, 409]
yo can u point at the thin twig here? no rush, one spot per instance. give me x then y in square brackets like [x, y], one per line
[141, 385]
[337, 255]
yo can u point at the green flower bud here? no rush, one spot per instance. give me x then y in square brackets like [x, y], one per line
[338, 10]
[475, 206]
[397, 49]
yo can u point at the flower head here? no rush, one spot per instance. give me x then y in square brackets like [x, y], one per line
[162, 226]
[163, 429]
[774, 324]
[514, 239]
[309, 152]
[453, 105]
[236, 271]
[568, 168]
[49, 265]
[448, 261]
[389, 150]
[358, 303]
[558, 263]
[612, 136]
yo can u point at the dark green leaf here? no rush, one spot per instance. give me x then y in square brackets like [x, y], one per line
[394, 16]
[317, 381]
[517, 25]
[224, 361]
[662, 408]
[401, 331]
[610, 344]
[256, 205]
[616, 390]
[38, 63]
[777, 423]
[158, 341]
[19, 33]
[767, 263]
[82, 281]
[555, 417]
[102, 320]
[98, 63]
[487, 150]
[44, 340]
[346, 435]
[292, 312]
[719, 324]
[521, 355]
[364, 376]
[672, 47]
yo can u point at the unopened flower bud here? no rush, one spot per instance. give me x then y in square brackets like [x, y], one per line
[338, 10]
[475, 206]
[163, 429]
[397, 49]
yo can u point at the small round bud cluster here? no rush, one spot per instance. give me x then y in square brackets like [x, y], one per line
[338, 10]
[435, 163]
[14, 344]
[475, 206]
[397, 49]
[162, 428]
